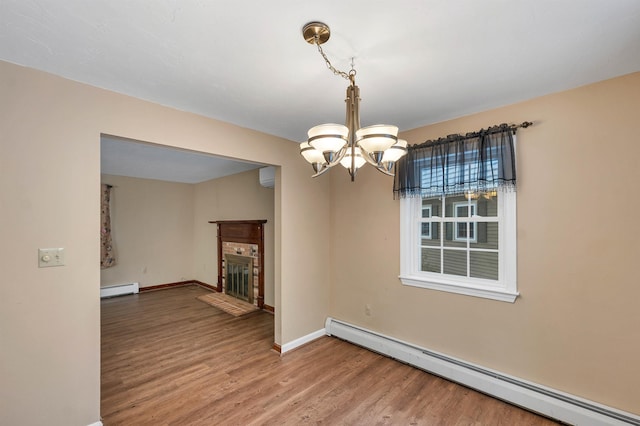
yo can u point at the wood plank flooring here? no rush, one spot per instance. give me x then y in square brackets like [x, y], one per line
[169, 359]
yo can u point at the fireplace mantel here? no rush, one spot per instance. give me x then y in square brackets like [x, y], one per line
[243, 232]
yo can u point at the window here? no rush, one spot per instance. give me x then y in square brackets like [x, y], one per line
[465, 244]
[458, 214]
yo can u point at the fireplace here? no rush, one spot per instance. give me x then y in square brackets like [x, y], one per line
[241, 259]
[238, 276]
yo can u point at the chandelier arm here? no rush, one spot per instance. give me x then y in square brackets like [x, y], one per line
[382, 170]
[340, 156]
[337, 160]
[321, 172]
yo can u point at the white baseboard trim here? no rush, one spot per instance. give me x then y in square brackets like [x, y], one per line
[544, 400]
[96, 424]
[302, 340]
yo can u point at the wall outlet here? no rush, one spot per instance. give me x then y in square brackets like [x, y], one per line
[50, 257]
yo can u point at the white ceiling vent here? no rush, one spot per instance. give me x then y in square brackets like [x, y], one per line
[268, 176]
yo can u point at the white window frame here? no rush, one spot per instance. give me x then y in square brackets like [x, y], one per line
[503, 289]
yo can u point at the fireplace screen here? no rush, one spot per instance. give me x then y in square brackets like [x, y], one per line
[239, 276]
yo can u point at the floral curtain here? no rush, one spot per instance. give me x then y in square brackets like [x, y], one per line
[107, 258]
[456, 164]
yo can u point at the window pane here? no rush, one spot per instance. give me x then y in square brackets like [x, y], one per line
[431, 207]
[461, 232]
[451, 204]
[488, 204]
[487, 235]
[430, 260]
[465, 231]
[430, 234]
[455, 262]
[483, 265]
[451, 239]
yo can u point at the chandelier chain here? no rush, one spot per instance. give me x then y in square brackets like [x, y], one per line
[333, 69]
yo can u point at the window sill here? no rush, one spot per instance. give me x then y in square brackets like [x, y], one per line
[483, 292]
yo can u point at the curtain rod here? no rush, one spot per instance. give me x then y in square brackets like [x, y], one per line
[488, 131]
[500, 128]
[524, 124]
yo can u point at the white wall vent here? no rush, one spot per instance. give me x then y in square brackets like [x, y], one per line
[268, 176]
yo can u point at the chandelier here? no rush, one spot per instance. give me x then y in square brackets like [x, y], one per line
[348, 145]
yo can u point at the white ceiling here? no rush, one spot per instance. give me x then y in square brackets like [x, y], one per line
[245, 62]
[123, 157]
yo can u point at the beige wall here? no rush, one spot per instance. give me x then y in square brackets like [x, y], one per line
[152, 224]
[49, 184]
[576, 326]
[235, 197]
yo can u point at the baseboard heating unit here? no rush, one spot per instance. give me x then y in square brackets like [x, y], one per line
[546, 401]
[118, 290]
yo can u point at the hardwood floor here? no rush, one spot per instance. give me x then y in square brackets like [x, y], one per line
[169, 359]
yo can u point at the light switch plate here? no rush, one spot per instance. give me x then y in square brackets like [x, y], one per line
[50, 257]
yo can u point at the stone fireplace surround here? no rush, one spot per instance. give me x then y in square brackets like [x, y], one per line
[242, 238]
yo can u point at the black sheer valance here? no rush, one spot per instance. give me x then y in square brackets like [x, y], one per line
[456, 164]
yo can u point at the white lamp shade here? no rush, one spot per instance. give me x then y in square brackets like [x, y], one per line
[328, 137]
[376, 138]
[357, 162]
[310, 154]
[395, 152]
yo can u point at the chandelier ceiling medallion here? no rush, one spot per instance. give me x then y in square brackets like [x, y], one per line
[349, 144]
